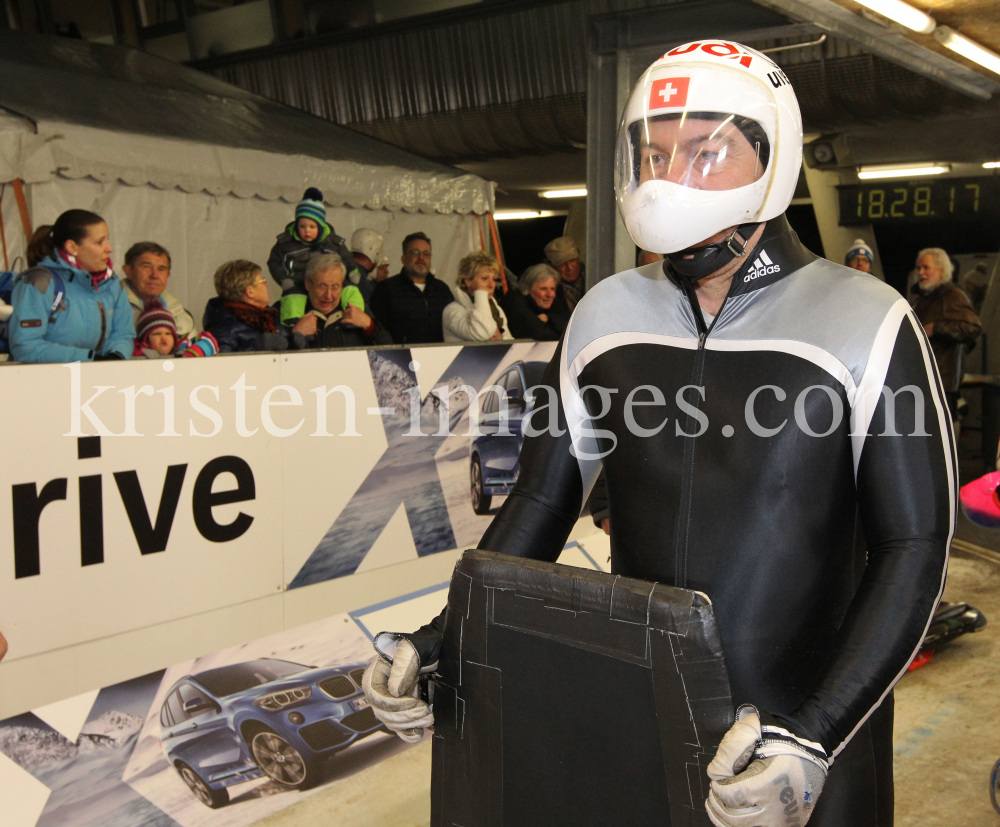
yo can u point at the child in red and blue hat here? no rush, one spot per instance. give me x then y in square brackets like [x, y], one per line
[156, 336]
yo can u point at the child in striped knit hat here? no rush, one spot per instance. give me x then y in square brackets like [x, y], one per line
[308, 235]
[156, 336]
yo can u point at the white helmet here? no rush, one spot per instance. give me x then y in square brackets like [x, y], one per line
[368, 243]
[711, 137]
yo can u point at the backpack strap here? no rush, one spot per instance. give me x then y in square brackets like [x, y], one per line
[40, 277]
[57, 299]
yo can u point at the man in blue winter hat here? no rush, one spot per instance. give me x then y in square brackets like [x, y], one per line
[860, 256]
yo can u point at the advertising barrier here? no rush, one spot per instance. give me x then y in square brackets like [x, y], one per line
[151, 500]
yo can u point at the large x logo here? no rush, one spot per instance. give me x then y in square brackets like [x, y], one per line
[405, 473]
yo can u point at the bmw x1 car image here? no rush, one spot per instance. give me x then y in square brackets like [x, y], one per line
[494, 457]
[261, 717]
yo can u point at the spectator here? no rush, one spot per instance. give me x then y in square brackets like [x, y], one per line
[860, 256]
[645, 257]
[976, 284]
[156, 336]
[306, 236]
[71, 307]
[239, 317]
[147, 268]
[536, 310]
[947, 315]
[474, 316]
[563, 255]
[38, 245]
[381, 269]
[366, 248]
[410, 303]
[331, 315]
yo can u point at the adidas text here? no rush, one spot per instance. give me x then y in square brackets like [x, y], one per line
[763, 266]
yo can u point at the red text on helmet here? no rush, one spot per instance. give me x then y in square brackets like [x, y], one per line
[716, 49]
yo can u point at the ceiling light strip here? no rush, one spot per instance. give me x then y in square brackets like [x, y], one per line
[575, 192]
[904, 171]
[902, 13]
[513, 215]
[967, 48]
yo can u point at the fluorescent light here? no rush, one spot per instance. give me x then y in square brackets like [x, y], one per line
[578, 192]
[960, 44]
[901, 170]
[991, 165]
[507, 215]
[902, 13]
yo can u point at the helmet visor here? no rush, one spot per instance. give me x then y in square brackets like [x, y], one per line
[700, 150]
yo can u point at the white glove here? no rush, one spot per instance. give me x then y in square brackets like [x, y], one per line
[764, 776]
[393, 691]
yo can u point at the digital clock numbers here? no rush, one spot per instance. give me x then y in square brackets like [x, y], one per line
[948, 199]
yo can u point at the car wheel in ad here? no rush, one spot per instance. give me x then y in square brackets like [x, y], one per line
[995, 787]
[481, 501]
[281, 761]
[205, 794]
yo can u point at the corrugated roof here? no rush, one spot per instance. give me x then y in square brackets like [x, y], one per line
[125, 90]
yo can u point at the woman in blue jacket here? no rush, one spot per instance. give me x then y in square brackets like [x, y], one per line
[71, 307]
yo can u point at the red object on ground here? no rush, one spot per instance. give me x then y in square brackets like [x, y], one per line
[919, 661]
[980, 502]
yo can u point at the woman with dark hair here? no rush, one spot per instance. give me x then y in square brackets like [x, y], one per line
[70, 307]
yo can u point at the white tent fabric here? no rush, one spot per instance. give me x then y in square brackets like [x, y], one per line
[77, 152]
[210, 204]
[202, 231]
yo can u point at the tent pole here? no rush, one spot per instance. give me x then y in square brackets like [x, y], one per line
[3, 232]
[496, 247]
[22, 208]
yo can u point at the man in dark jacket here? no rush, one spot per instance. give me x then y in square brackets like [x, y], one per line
[410, 303]
[563, 255]
[947, 315]
[327, 320]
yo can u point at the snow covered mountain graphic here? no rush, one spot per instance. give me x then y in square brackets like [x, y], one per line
[406, 474]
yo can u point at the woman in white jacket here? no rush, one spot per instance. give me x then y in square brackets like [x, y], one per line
[475, 316]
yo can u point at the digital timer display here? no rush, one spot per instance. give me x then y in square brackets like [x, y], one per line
[898, 202]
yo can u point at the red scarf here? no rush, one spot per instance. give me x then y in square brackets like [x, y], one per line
[96, 279]
[264, 319]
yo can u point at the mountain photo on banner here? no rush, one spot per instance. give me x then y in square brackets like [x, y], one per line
[116, 758]
[407, 473]
[85, 774]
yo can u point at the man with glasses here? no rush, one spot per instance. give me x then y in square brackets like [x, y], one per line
[410, 303]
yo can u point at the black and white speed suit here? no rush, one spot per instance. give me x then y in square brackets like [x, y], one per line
[821, 539]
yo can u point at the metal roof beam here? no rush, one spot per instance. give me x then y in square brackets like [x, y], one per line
[886, 43]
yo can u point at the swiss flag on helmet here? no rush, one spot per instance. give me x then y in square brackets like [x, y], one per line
[668, 92]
